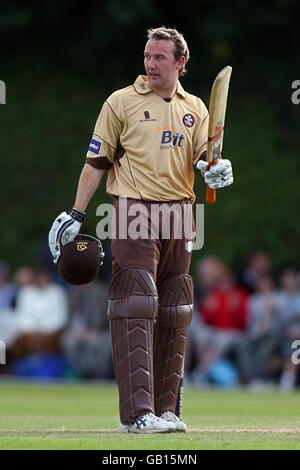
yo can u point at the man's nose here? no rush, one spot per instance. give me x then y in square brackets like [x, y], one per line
[151, 64]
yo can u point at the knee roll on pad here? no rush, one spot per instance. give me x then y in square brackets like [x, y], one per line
[176, 301]
[133, 294]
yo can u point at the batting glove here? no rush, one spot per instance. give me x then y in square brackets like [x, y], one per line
[65, 228]
[219, 175]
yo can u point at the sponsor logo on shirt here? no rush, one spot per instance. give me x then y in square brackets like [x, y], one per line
[170, 138]
[147, 117]
[95, 146]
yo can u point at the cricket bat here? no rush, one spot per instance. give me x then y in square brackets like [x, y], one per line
[217, 111]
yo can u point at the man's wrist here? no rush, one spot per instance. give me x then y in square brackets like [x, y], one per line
[78, 215]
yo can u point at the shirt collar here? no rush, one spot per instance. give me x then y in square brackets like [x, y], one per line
[141, 86]
[180, 90]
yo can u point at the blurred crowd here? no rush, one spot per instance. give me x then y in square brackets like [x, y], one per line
[244, 331]
[51, 329]
[245, 325]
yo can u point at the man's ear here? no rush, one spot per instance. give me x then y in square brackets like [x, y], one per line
[180, 63]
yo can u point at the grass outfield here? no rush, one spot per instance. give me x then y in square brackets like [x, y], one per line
[84, 416]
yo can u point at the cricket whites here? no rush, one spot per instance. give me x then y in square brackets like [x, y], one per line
[217, 111]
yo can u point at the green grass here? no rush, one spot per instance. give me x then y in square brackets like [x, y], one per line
[85, 416]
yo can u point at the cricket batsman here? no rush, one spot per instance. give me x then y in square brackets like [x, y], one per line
[149, 136]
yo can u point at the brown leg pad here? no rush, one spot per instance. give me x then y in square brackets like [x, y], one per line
[170, 336]
[133, 304]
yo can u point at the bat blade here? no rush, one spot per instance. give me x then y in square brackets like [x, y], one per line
[217, 111]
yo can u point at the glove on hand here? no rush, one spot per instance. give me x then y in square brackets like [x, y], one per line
[219, 175]
[65, 228]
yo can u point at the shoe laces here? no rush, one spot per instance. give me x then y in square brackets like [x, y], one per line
[170, 415]
[142, 420]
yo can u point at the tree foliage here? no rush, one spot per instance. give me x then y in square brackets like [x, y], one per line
[60, 60]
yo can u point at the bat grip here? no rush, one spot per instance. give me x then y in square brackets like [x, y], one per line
[211, 193]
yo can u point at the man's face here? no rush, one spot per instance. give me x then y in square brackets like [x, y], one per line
[160, 64]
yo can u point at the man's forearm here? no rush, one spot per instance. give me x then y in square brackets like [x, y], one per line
[88, 183]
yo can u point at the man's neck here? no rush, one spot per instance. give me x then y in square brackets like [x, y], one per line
[166, 94]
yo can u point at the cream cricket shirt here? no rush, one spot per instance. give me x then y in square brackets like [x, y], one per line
[148, 144]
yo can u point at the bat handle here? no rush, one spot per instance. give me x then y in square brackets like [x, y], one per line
[211, 193]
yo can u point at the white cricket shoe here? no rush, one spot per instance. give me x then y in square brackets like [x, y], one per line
[148, 424]
[180, 426]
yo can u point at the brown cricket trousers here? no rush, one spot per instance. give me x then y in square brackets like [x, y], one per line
[150, 302]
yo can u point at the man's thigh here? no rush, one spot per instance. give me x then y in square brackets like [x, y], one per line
[176, 251]
[166, 249]
[126, 250]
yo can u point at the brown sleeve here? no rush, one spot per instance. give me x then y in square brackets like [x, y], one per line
[101, 163]
[202, 157]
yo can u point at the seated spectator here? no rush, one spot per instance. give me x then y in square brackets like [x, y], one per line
[208, 275]
[86, 341]
[7, 297]
[7, 289]
[41, 315]
[258, 265]
[219, 320]
[263, 333]
[24, 276]
[289, 298]
[8, 319]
